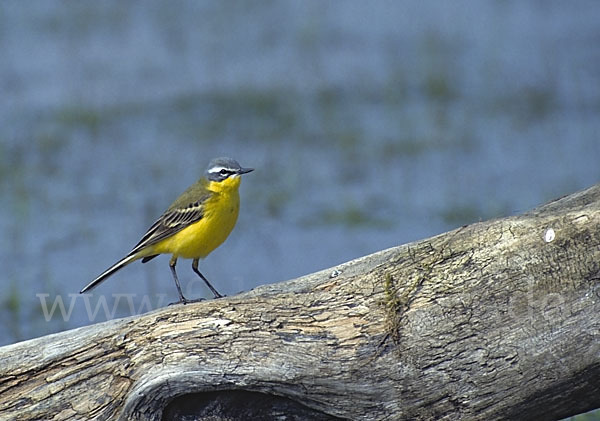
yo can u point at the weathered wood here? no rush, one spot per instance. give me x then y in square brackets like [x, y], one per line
[496, 320]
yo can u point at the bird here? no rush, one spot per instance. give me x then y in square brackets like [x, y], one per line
[194, 225]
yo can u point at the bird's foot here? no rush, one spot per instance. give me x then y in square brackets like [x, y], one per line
[184, 301]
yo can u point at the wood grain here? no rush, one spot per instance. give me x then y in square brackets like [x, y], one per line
[489, 321]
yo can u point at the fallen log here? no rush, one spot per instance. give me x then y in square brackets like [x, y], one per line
[495, 320]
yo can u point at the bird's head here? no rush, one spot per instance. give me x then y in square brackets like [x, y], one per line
[226, 172]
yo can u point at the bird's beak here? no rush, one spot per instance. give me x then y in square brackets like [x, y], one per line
[245, 170]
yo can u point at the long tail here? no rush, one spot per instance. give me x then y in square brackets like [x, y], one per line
[120, 264]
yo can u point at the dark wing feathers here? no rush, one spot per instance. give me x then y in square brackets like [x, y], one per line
[170, 223]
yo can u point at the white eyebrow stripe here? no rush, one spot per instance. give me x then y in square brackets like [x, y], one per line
[217, 169]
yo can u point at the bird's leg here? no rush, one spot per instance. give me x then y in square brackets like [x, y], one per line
[195, 269]
[172, 264]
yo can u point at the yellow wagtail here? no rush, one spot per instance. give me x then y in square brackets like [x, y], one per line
[195, 224]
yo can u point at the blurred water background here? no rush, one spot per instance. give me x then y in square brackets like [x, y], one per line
[370, 124]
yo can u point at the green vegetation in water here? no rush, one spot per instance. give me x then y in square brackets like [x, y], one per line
[80, 117]
[527, 106]
[93, 119]
[12, 307]
[538, 102]
[5, 162]
[458, 215]
[404, 147]
[50, 146]
[412, 145]
[350, 216]
[267, 115]
[276, 201]
[437, 54]
[438, 87]
[461, 215]
[20, 198]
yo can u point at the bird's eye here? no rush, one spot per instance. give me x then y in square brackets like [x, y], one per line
[223, 172]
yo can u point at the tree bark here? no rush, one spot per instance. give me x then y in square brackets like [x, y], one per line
[495, 320]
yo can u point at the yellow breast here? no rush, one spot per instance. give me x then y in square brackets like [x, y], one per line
[201, 238]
